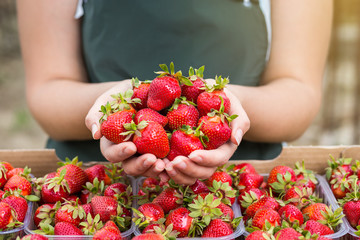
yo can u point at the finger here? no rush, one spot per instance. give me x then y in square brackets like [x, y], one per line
[179, 177]
[139, 165]
[241, 124]
[214, 158]
[116, 152]
[94, 114]
[155, 170]
[164, 177]
[187, 167]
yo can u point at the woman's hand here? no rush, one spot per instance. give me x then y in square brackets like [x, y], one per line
[146, 165]
[201, 164]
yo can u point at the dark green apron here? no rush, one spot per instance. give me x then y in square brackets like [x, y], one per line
[124, 39]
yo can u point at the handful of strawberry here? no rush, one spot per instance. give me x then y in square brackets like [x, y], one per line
[186, 110]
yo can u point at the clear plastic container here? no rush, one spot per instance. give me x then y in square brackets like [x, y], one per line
[127, 235]
[237, 213]
[323, 191]
[20, 231]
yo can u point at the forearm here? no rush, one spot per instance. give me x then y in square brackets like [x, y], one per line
[279, 111]
[60, 106]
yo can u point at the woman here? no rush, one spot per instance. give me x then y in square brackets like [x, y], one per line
[73, 65]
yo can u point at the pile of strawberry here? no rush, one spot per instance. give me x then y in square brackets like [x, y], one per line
[193, 113]
[284, 205]
[343, 177]
[15, 190]
[170, 211]
[75, 201]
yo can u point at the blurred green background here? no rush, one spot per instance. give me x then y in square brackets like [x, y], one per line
[338, 122]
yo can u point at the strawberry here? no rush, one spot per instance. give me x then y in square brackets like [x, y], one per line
[141, 92]
[65, 228]
[263, 202]
[7, 216]
[19, 205]
[74, 175]
[181, 221]
[198, 86]
[15, 171]
[249, 180]
[147, 114]
[150, 182]
[112, 124]
[290, 213]
[185, 141]
[315, 227]
[149, 236]
[217, 228]
[244, 168]
[165, 88]
[169, 199]
[34, 237]
[223, 191]
[182, 112]
[264, 215]
[226, 210]
[299, 196]
[106, 207]
[340, 164]
[148, 213]
[214, 97]
[219, 176]
[199, 187]
[55, 190]
[97, 171]
[120, 192]
[45, 213]
[315, 211]
[3, 176]
[352, 212]
[18, 182]
[258, 235]
[70, 212]
[281, 178]
[149, 137]
[215, 126]
[110, 232]
[249, 196]
[287, 234]
[8, 167]
[304, 177]
[88, 209]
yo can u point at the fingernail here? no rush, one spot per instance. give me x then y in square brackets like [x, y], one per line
[159, 167]
[149, 162]
[179, 163]
[94, 129]
[238, 136]
[127, 151]
[195, 158]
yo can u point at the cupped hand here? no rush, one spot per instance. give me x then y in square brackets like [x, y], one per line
[145, 165]
[201, 164]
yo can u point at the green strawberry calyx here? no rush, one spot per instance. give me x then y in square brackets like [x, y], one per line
[177, 75]
[134, 129]
[195, 74]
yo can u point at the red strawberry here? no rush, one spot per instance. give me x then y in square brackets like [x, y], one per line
[264, 202]
[71, 213]
[249, 196]
[258, 235]
[110, 232]
[149, 137]
[3, 176]
[120, 192]
[182, 112]
[216, 127]
[249, 180]
[112, 124]
[165, 88]
[199, 187]
[34, 237]
[151, 228]
[8, 167]
[148, 213]
[339, 165]
[15, 171]
[7, 215]
[147, 114]
[141, 91]
[181, 221]
[185, 141]
[74, 175]
[287, 234]
[226, 210]
[315, 211]
[65, 228]
[169, 199]
[291, 213]
[196, 77]
[244, 168]
[149, 236]
[18, 182]
[45, 212]
[97, 171]
[217, 228]
[106, 207]
[211, 98]
[219, 176]
[51, 193]
[299, 196]
[150, 182]
[352, 212]
[315, 227]
[19, 204]
[266, 214]
[88, 209]
[280, 170]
